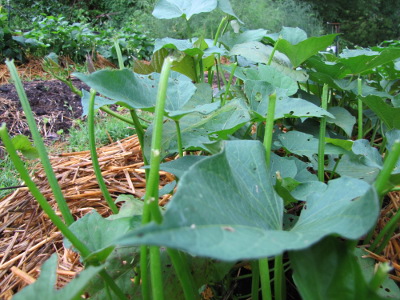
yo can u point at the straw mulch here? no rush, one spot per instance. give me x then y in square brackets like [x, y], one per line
[28, 238]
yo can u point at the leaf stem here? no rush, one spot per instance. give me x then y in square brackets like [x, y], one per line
[265, 279]
[179, 137]
[156, 275]
[228, 86]
[93, 154]
[119, 54]
[255, 279]
[386, 234]
[322, 131]
[279, 278]
[360, 110]
[219, 29]
[273, 51]
[62, 204]
[116, 115]
[269, 128]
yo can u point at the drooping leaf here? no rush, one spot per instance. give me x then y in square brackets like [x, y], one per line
[329, 270]
[300, 52]
[388, 114]
[239, 215]
[44, 287]
[342, 118]
[23, 144]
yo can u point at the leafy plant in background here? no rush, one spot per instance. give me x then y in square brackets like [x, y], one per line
[293, 108]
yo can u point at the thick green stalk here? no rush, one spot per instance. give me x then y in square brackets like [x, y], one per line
[360, 110]
[279, 278]
[388, 166]
[151, 210]
[322, 130]
[269, 128]
[380, 276]
[228, 86]
[93, 154]
[219, 30]
[255, 280]
[183, 273]
[156, 274]
[62, 204]
[179, 138]
[144, 273]
[56, 220]
[265, 279]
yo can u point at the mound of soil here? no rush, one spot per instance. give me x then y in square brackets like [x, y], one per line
[53, 104]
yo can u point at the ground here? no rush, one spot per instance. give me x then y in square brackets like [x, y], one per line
[53, 104]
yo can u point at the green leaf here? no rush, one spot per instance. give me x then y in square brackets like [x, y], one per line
[304, 144]
[259, 53]
[300, 52]
[179, 166]
[44, 287]
[345, 144]
[386, 113]
[226, 7]
[240, 207]
[23, 144]
[139, 91]
[99, 234]
[329, 270]
[293, 35]
[198, 129]
[182, 45]
[230, 39]
[98, 102]
[131, 207]
[170, 9]
[342, 118]
[359, 61]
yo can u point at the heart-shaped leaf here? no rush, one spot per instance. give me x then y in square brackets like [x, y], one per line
[241, 215]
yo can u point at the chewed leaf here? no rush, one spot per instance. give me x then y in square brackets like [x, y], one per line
[239, 215]
[23, 144]
[44, 287]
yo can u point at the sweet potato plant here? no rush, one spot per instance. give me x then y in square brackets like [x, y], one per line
[283, 165]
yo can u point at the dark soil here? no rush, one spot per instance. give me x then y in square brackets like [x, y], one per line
[53, 104]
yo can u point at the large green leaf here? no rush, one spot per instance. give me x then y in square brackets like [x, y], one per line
[44, 287]
[388, 114]
[170, 9]
[139, 91]
[239, 215]
[329, 270]
[198, 129]
[303, 50]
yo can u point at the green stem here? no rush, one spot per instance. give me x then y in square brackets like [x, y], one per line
[218, 33]
[279, 279]
[360, 110]
[62, 204]
[93, 154]
[179, 137]
[144, 273]
[111, 283]
[116, 115]
[156, 275]
[379, 276]
[255, 280]
[182, 271]
[273, 51]
[388, 166]
[265, 279]
[269, 128]
[119, 54]
[228, 86]
[322, 130]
